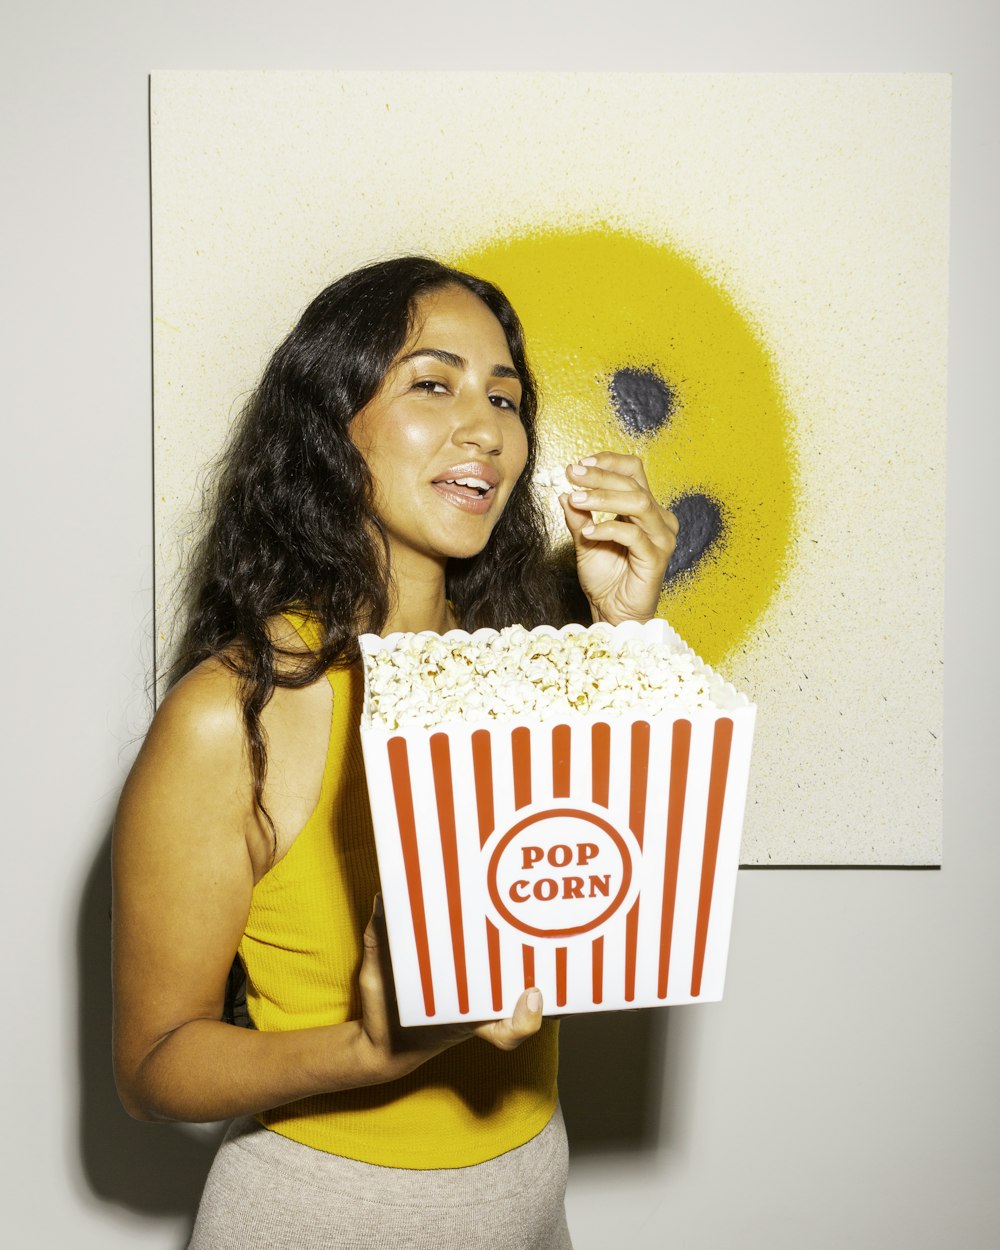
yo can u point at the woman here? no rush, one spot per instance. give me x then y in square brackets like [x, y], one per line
[379, 480]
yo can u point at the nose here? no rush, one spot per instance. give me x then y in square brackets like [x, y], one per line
[479, 426]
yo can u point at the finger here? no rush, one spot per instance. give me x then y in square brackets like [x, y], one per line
[593, 478]
[576, 518]
[374, 930]
[369, 974]
[638, 507]
[524, 1023]
[625, 534]
[375, 978]
[632, 503]
[613, 462]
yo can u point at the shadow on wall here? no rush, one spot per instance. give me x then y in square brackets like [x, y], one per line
[153, 1169]
[611, 1078]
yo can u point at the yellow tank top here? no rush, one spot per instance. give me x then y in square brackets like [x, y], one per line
[302, 951]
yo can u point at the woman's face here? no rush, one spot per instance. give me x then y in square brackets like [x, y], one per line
[443, 437]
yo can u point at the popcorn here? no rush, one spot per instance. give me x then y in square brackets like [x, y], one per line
[425, 679]
[553, 478]
[553, 807]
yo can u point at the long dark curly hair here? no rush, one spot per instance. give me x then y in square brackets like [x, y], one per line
[292, 526]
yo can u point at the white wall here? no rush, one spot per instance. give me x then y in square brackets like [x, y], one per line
[845, 1094]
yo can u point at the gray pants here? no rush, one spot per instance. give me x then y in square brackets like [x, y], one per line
[265, 1192]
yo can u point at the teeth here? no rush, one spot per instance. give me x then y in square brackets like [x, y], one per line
[475, 483]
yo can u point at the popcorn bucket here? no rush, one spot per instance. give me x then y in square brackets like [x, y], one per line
[594, 856]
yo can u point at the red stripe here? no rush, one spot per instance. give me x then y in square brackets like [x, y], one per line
[482, 773]
[496, 976]
[638, 778]
[520, 746]
[713, 824]
[597, 953]
[600, 776]
[399, 770]
[441, 767]
[679, 756]
[631, 942]
[600, 762]
[528, 957]
[520, 743]
[560, 761]
[560, 976]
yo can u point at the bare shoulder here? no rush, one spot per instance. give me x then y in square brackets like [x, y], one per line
[203, 711]
[193, 763]
[202, 714]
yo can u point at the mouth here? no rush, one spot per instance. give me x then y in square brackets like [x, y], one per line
[470, 491]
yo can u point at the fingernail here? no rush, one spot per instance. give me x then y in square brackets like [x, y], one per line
[579, 496]
[587, 530]
[379, 909]
[589, 461]
[534, 1000]
[578, 470]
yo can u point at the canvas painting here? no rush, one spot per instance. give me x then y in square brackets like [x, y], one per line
[741, 278]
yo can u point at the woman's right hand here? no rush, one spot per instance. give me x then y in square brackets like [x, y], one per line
[396, 1050]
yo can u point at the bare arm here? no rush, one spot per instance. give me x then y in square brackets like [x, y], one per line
[183, 877]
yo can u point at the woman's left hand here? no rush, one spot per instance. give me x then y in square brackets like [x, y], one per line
[621, 562]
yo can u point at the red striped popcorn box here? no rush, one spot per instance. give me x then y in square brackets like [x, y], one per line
[593, 855]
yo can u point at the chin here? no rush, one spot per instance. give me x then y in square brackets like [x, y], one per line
[466, 553]
[467, 549]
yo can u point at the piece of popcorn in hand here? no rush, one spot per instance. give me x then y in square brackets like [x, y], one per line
[551, 477]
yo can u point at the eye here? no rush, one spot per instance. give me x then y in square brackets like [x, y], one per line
[431, 385]
[506, 403]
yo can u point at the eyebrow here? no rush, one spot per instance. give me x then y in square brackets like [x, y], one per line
[457, 362]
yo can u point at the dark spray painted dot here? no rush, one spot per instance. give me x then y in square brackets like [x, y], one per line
[700, 521]
[642, 400]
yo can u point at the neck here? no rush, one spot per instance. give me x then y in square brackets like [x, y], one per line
[418, 601]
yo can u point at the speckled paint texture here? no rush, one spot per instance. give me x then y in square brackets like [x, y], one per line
[741, 277]
[638, 351]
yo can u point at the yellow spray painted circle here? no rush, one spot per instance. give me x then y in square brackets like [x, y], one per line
[636, 350]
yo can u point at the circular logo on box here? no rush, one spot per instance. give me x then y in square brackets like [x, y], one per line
[559, 872]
